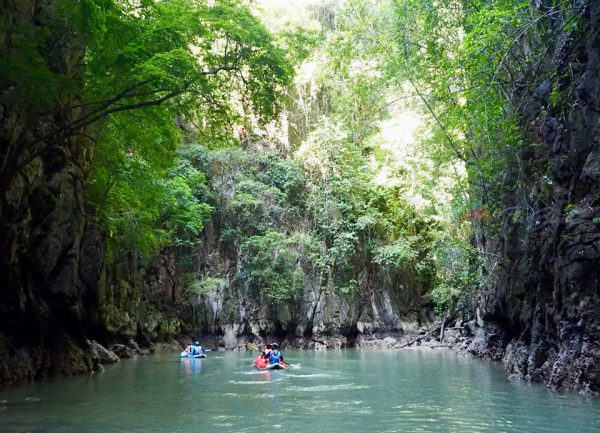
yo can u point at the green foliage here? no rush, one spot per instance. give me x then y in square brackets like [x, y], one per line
[181, 46]
[350, 287]
[254, 205]
[467, 66]
[173, 59]
[272, 266]
[571, 208]
[298, 45]
[128, 75]
[360, 221]
[359, 196]
[123, 186]
[183, 214]
[27, 72]
[257, 199]
[144, 202]
[195, 287]
[142, 72]
[288, 176]
[459, 274]
[254, 191]
[398, 254]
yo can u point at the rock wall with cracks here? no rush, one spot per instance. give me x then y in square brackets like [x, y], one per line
[542, 318]
[59, 299]
[385, 302]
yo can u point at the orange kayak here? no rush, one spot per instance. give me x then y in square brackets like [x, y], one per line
[262, 365]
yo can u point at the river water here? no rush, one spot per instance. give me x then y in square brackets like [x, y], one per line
[334, 391]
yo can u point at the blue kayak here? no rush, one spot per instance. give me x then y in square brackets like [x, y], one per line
[185, 354]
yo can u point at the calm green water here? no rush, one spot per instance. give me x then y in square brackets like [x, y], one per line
[348, 391]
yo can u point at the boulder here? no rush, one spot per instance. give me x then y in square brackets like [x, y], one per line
[103, 355]
[123, 351]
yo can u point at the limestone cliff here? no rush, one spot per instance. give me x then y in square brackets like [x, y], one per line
[324, 312]
[56, 290]
[542, 318]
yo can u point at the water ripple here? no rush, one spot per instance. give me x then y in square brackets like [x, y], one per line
[321, 388]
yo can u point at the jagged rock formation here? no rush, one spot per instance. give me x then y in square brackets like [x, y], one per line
[385, 301]
[55, 288]
[543, 316]
[321, 317]
[43, 225]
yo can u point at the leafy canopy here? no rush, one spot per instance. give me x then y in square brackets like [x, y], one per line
[151, 69]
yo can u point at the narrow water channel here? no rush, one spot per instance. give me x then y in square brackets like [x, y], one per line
[336, 391]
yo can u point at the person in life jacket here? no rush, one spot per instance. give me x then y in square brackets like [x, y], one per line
[188, 348]
[275, 357]
[266, 352]
[198, 349]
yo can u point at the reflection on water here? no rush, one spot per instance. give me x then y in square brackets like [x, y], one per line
[191, 366]
[347, 391]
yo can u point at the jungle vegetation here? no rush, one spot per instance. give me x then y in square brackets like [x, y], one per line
[382, 130]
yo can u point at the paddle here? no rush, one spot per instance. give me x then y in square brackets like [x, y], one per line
[252, 346]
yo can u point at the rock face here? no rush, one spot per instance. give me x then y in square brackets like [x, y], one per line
[46, 240]
[543, 317]
[322, 315]
[55, 288]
